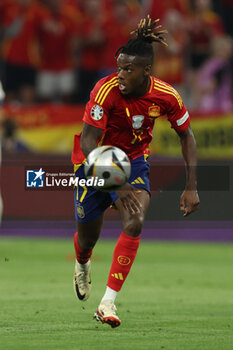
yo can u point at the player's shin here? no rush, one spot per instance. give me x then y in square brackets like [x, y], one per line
[82, 256]
[82, 278]
[123, 258]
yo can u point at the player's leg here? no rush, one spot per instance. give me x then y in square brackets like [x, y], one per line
[84, 241]
[89, 208]
[86, 238]
[123, 257]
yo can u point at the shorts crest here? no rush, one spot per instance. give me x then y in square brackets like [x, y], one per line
[80, 211]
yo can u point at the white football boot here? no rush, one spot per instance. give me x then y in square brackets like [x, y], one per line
[82, 280]
[106, 313]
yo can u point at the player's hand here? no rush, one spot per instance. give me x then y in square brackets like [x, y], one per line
[129, 199]
[189, 202]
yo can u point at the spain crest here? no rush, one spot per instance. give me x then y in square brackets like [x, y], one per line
[154, 111]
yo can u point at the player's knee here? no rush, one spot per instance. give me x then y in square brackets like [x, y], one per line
[133, 226]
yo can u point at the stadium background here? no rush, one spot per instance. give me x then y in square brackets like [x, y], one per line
[38, 124]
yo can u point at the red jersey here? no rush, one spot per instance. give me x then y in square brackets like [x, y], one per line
[159, 8]
[127, 122]
[19, 45]
[55, 32]
[115, 34]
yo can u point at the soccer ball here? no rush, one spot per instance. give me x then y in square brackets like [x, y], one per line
[110, 165]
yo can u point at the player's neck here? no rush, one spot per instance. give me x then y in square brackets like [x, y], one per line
[143, 89]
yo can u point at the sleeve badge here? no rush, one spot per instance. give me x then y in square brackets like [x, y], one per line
[97, 112]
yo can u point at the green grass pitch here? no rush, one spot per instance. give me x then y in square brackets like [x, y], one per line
[177, 296]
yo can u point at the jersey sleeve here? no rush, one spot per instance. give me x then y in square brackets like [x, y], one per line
[177, 113]
[97, 114]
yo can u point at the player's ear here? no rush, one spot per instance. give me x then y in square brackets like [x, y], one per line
[147, 70]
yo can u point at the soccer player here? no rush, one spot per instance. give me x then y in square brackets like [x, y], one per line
[121, 112]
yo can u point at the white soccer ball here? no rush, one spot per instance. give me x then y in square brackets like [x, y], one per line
[109, 164]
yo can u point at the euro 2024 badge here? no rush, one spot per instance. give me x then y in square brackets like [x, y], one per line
[97, 112]
[35, 178]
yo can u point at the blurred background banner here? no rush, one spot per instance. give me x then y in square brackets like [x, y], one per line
[46, 128]
[50, 129]
[213, 133]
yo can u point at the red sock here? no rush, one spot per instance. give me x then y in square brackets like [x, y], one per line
[81, 256]
[123, 258]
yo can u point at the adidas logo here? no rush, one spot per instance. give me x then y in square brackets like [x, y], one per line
[138, 181]
[118, 276]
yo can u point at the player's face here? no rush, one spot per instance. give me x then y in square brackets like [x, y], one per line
[133, 75]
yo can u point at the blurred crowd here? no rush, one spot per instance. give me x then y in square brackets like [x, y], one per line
[55, 50]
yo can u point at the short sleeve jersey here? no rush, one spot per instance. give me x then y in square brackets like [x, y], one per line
[127, 122]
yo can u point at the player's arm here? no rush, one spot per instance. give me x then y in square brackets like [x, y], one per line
[89, 138]
[189, 201]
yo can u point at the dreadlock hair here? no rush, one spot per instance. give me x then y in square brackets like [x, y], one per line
[141, 44]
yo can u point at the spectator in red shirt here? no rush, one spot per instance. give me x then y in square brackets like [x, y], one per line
[158, 9]
[56, 32]
[169, 63]
[91, 45]
[19, 50]
[116, 28]
[203, 25]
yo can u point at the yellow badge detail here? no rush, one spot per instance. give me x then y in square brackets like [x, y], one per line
[80, 211]
[118, 276]
[138, 181]
[123, 260]
[154, 111]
